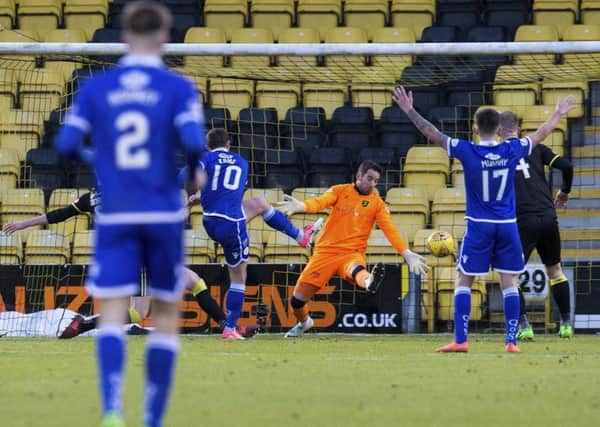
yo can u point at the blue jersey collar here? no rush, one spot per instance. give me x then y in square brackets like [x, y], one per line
[488, 143]
[221, 149]
[139, 59]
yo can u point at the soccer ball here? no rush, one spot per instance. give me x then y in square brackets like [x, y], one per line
[440, 243]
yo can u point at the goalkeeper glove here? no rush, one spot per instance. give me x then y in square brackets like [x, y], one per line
[416, 263]
[290, 205]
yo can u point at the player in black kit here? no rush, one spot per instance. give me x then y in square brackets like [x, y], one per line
[537, 221]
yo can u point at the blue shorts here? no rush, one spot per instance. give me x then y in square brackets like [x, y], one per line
[231, 235]
[122, 251]
[492, 244]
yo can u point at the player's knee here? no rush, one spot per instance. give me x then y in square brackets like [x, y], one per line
[262, 204]
[297, 303]
[554, 271]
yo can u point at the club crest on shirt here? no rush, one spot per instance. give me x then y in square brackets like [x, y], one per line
[364, 203]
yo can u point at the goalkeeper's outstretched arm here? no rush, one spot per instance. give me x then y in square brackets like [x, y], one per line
[404, 100]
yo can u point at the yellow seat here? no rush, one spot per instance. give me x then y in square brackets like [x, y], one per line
[298, 66]
[41, 16]
[22, 122]
[86, 15]
[535, 116]
[226, 14]
[328, 96]
[60, 198]
[282, 249]
[63, 67]
[204, 35]
[376, 97]
[10, 169]
[552, 91]
[367, 14]
[233, 94]
[554, 12]
[426, 168]
[322, 15]
[409, 208]
[11, 249]
[414, 14]
[8, 16]
[281, 96]
[536, 33]
[444, 278]
[199, 248]
[271, 194]
[255, 249]
[379, 249]
[8, 89]
[517, 97]
[448, 210]
[346, 35]
[41, 91]
[20, 143]
[275, 15]
[26, 62]
[251, 35]
[393, 35]
[590, 12]
[83, 247]
[457, 173]
[585, 61]
[47, 247]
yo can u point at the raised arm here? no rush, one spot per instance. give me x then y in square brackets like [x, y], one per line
[404, 100]
[563, 106]
[291, 205]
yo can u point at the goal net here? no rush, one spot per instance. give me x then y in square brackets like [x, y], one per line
[305, 116]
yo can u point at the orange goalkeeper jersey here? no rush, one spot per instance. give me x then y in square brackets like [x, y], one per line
[351, 220]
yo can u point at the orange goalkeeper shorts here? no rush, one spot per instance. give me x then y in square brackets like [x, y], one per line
[322, 266]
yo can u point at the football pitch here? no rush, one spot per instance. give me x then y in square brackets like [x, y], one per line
[319, 380]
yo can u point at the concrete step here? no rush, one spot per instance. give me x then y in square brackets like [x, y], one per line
[583, 203]
[592, 135]
[585, 152]
[578, 223]
[586, 162]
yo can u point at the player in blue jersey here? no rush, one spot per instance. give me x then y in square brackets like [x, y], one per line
[224, 175]
[136, 113]
[491, 237]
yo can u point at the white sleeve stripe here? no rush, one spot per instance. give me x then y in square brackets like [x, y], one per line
[448, 146]
[530, 149]
[78, 122]
[187, 116]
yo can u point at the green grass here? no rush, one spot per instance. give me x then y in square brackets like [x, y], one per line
[317, 381]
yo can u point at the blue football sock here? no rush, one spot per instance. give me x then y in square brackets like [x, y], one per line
[161, 353]
[110, 354]
[511, 313]
[278, 221]
[235, 300]
[462, 311]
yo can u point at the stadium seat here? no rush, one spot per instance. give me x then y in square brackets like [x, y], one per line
[536, 33]
[8, 17]
[395, 130]
[275, 15]
[204, 35]
[387, 158]
[393, 35]
[534, 116]
[255, 245]
[83, 247]
[424, 82]
[40, 16]
[86, 15]
[486, 34]
[186, 14]
[281, 249]
[452, 121]
[22, 122]
[379, 248]
[466, 88]
[329, 166]
[322, 15]
[367, 14]
[19, 143]
[457, 174]
[257, 132]
[298, 35]
[21, 36]
[441, 34]
[65, 68]
[41, 91]
[590, 12]
[226, 14]
[552, 91]
[10, 168]
[8, 89]
[47, 247]
[281, 96]
[413, 14]
[352, 128]
[346, 35]
[46, 169]
[60, 198]
[199, 248]
[511, 89]
[426, 168]
[11, 249]
[20, 204]
[271, 194]
[448, 210]
[583, 33]
[251, 35]
[409, 207]
[558, 13]
[464, 14]
[303, 129]
[285, 170]
[374, 97]
[81, 176]
[444, 279]
[509, 14]
[233, 94]
[217, 118]
[328, 96]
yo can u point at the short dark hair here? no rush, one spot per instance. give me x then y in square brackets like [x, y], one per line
[487, 121]
[216, 138]
[144, 17]
[509, 122]
[364, 167]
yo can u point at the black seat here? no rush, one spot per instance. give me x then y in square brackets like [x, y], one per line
[46, 170]
[352, 128]
[424, 82]
[81, 176]
[396, 131]
[463, 14]
[508, 13]
[329, 166]
[303, 129]
[285, 170]
[453, 121]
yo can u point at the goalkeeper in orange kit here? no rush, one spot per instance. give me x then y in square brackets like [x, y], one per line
[343, 242]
